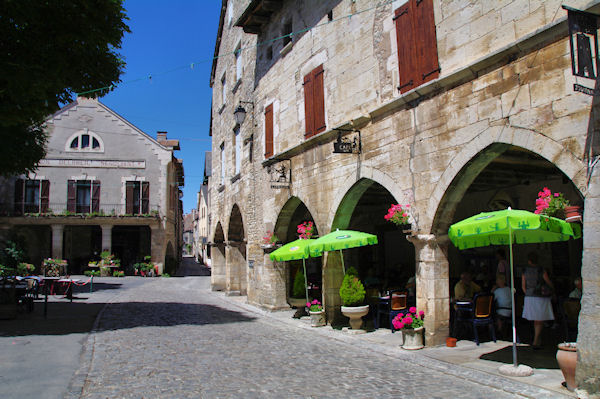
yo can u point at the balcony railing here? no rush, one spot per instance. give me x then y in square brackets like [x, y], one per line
[82, 210]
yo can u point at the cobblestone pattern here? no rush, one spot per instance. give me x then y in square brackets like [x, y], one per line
[172, 338]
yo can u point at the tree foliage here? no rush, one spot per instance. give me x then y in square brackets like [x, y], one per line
[50, 50]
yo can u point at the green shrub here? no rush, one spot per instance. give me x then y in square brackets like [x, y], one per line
[352, 291]
[352, 271]
[118, 273]
[165, 275]
[90, 273]
[299, 288]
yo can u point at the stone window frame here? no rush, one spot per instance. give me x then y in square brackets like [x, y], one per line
[78, 135]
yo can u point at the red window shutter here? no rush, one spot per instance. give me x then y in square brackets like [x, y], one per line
[19, 196]
[145, 197]
[44, 196]
[407, 57]
[95, 196]
[129, 197]
[319, 100]
[71, 195]
[427, 56]
[308, 105]
[269, 131]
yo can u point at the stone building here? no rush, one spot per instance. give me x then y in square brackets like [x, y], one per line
[455, 107]
[189, 244]
[202, 221]
[103, 185]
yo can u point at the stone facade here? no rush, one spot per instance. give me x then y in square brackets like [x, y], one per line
[504, 96]
[116, 154]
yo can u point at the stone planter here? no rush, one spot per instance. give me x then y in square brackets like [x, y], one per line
[317, 319]
[566, 356]
[413, 339]
[355, 313]
[297, 303]
[268, 248]
[572, 214]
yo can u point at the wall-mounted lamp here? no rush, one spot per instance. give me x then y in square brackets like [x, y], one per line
[240, 112]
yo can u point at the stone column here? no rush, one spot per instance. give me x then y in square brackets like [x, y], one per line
[57, 240]
[217, 266]
[272, 291]
[433, 296]
[107, 238]
[235, 270]
[588, 337]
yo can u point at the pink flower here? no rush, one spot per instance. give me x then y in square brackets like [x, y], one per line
[422, 314]
[407, 320]
[556, 194]
[412, 309]
[308, 304]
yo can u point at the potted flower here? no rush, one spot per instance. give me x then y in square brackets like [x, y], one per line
[398, 214]
[269, 241]
[352, 293]
[25, 269]
[411, 325]
[306, 230]
[298, 299]
[317, 314]
[551, 204]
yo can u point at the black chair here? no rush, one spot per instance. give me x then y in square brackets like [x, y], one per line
[381, 306]
[479, 314]
[397, 304]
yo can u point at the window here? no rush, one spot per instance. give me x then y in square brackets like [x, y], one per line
[32, 196]
[223, 89]
[287, 32]
[137, 197]
[238, 63]
[417, 44]
[269, 131]
[222, 164]
[314, 102]
[229, 12]
[84, 141]
[238, 149]
[83, 196]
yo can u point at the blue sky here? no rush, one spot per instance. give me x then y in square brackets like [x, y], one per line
[166, 35]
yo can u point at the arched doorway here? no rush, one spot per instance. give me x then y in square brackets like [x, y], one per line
[388, 265]
[499, 176]
[217, 260]
[236, 278]
[294, 213]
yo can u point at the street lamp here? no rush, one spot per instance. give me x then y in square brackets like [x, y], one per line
[239, 114]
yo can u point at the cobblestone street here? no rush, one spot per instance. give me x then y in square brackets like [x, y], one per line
[174, 338]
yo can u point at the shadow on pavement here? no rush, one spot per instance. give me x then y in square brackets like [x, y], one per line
[68, 318]
[538, 359]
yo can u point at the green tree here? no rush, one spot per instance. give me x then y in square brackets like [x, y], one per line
[51, 49]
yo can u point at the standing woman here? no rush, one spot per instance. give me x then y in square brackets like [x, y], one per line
[537, 306]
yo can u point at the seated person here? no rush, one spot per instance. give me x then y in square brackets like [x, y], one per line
[577, 292]
[503, 301]
[465, 289]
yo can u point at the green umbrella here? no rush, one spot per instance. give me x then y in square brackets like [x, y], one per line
[339, 240]
[298, 249]
[505, 228]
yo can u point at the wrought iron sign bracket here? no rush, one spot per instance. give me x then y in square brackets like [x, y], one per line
[347, 146]
[280, 174]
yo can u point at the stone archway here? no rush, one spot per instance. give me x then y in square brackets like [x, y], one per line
[524, 153]
[217, 260]
[236, 274]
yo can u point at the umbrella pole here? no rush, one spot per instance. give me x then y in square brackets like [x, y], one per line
[305, 281]
[343, 267]
[512, 298]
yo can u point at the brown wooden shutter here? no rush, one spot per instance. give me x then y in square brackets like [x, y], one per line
[19, 196]
[71, 196]
[44, 196]
[318, 100]
[308, 105]
[407, 57]
[269, 131]
[145, 197]
[96, 196]
[427, 56]
[129, 197]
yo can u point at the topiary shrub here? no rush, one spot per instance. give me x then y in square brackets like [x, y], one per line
[352, 291]
[298, 290]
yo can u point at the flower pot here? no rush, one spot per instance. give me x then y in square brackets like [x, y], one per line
[413, 338]
[317, 319]
[297, 303]
[572, 214]
[355, 313]
[566, 356]
[450, 342]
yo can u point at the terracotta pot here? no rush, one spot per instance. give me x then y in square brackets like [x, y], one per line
[572, 214]
[317, 319]
[450, 342]
[567, 361]
[355, 313]
[413, 339]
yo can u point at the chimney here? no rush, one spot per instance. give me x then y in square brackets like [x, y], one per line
[160, 136]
